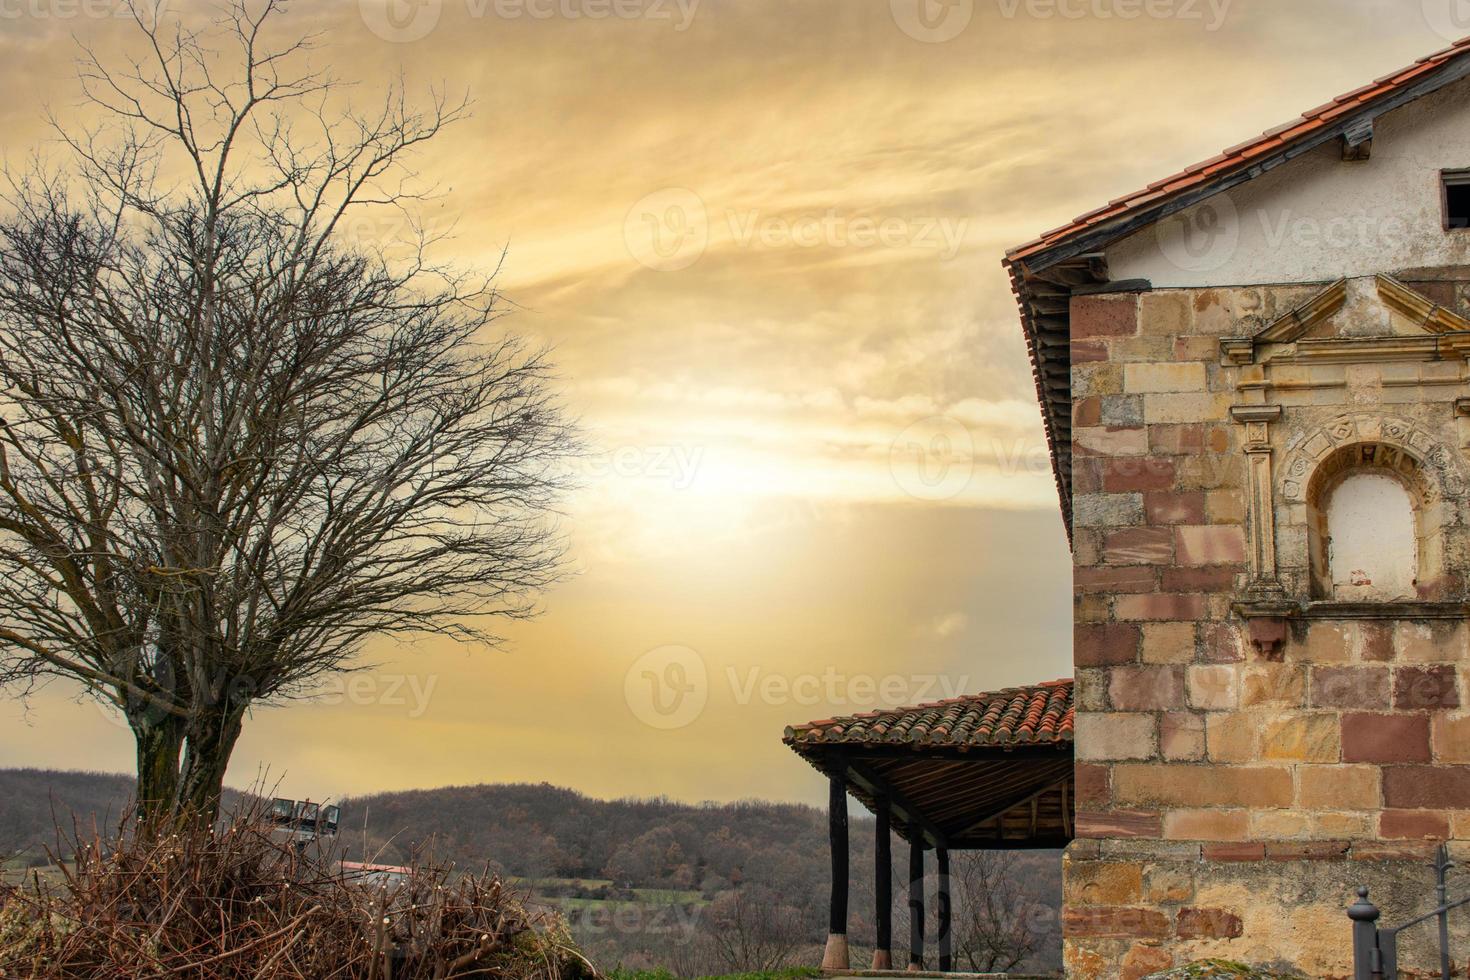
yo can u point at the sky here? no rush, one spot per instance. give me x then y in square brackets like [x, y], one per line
[763, 238]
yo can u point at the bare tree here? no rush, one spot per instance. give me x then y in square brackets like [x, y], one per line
[995, 918]
[236, 443]
[752, 928]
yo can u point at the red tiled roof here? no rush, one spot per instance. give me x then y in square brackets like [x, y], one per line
[1246, 154]
[1034, 267]
[1036, 715]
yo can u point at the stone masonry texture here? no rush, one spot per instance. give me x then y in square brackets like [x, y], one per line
[1230, 797]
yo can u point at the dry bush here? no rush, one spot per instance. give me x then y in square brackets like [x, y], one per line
[244, 902]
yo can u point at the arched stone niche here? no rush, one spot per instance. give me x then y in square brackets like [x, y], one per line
[1329, 476]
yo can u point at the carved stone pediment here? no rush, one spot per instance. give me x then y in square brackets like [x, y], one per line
[1374, 318]
[1367, 372]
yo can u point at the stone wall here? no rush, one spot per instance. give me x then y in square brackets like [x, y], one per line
[1238, 777]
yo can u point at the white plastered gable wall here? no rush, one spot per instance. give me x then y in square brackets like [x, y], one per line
[1319, 218]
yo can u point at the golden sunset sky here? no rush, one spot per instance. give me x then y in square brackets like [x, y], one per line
[764, 239]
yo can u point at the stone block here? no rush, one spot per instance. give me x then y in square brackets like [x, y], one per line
[1340, 825]
[1139, 546]
[1276, 684]
[1422, 787]
[1116, 735]
[1302, 738]
[1202, 786]
[1280, 825]
[1425, 688]
[1105, 644]
[1164, 377]
[1206, 825]
[1214, 687]
[1104, 883]
[1209, 578]
[1168, 643]
[1216, 544]
[1168, 884]
[1104, 316]
[1328, 643]
[1159, 607]
[1174, 508]
[1114, 824]
[1177, 439]
[1360, 688]
[1127, 474]
[1091, 784]
[1110, 440]
[1385, 738]
[1195, 406]
[1166, 312]
[1243, 851]
[1147, 688]
[1112, 580]
[1375, 642]
[1107, 509]
[1233, 737]
[1141, 960]
[1121, 410]
[1451, 737]
[1414, 825]
[1120, 923]
[1339, 787]
[1209, 924]
[1182, 736]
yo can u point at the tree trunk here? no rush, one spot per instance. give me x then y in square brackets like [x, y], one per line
[159, 742]
[211, 739]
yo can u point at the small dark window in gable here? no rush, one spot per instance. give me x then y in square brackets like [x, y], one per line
[1456, 198]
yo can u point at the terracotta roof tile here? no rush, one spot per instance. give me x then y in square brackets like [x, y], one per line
[1242, 154]
[1195, 182]
[1035, 715]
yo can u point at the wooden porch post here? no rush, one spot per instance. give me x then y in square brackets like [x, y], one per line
[916, 901]
[946, 946]
[835, 956]
[883, 888]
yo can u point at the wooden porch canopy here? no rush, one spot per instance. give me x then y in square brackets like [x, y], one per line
[980, 772]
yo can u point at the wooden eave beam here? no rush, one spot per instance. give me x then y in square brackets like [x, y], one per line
[899, 804]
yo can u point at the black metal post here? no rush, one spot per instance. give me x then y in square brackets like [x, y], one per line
[835, 956]
[883, 888]
[941, 898]
[916, 901]
[1442, 866]
[1367, 963]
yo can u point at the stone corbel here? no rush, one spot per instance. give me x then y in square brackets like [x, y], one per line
[1462, 421]
[1265, 604]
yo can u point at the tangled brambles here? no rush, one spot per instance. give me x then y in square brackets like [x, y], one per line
[243, 902]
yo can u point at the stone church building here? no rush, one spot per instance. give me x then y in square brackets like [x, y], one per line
[1255, 380]
[1255, 385]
